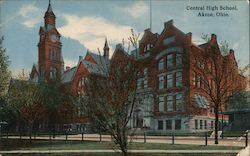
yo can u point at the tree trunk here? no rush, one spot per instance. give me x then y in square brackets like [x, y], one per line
[216, 124]
[30, 130]
[124, 143]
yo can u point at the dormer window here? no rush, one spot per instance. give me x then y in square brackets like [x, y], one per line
[148, 47]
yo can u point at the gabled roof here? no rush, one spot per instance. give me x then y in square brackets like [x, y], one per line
[68, 75]
[101, 68]
[98, 58]
[204, 45]
[95, 68]
[120, 49]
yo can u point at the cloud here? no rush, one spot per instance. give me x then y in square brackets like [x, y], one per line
[137, 10]
[91, 31]
[30, 15]
[70, 62]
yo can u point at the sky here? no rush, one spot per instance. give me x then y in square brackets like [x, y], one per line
[84, 24]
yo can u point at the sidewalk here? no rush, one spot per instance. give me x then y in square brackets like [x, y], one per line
[244, 152]
[112, 151]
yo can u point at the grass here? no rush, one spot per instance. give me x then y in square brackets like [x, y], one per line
[233, 133]
[16, 144]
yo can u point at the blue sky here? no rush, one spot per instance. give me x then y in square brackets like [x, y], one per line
[84, 24]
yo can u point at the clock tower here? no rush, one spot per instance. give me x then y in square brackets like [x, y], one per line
[50, 60]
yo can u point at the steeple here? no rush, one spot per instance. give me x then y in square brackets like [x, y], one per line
[106, 49]
[49, 8]
[49, 17]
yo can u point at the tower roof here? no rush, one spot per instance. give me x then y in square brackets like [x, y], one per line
[49, 10]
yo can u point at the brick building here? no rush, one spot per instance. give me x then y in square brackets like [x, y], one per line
[174, 97]
[173, 82]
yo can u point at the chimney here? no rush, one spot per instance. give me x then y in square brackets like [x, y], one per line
[231, 51]
[147, 30]
[80, 58]
[188, 38]
[213, 37]
[67, 68]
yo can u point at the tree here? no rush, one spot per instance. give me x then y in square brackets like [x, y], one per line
[111, 97]
[25, 100]
[52, 100]
[5, 114]
[218, 77]
[5, 73]
[224, 46]
[238, 101]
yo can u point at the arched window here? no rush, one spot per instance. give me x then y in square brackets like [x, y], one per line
[52, 73]
[148, 47]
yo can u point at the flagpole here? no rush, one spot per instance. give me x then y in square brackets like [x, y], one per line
[150, 11]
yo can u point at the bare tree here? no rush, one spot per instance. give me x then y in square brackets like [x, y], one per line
[219, 78]
[111, 96]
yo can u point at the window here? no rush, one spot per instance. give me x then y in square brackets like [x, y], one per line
[169, 80]
[194, 79]
[212, 124]
[205, 124]
[161, 82]
[50, 54]
[196, 124]
[145, 82]
[52, 73]
[139, 81]
[179, 103]
[168, 40]
[211, 108]
[161, 64]
[161, 104]
[201, 124]
[148, 47]
[170, 61]
[198, 81]
[168, 124]
[178, 59]
[177, 124]
[160, 125]
[145, 79]
[178, 79]
[170, 103]
[81, 82]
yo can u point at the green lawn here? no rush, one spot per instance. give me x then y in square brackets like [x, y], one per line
[16, 144]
